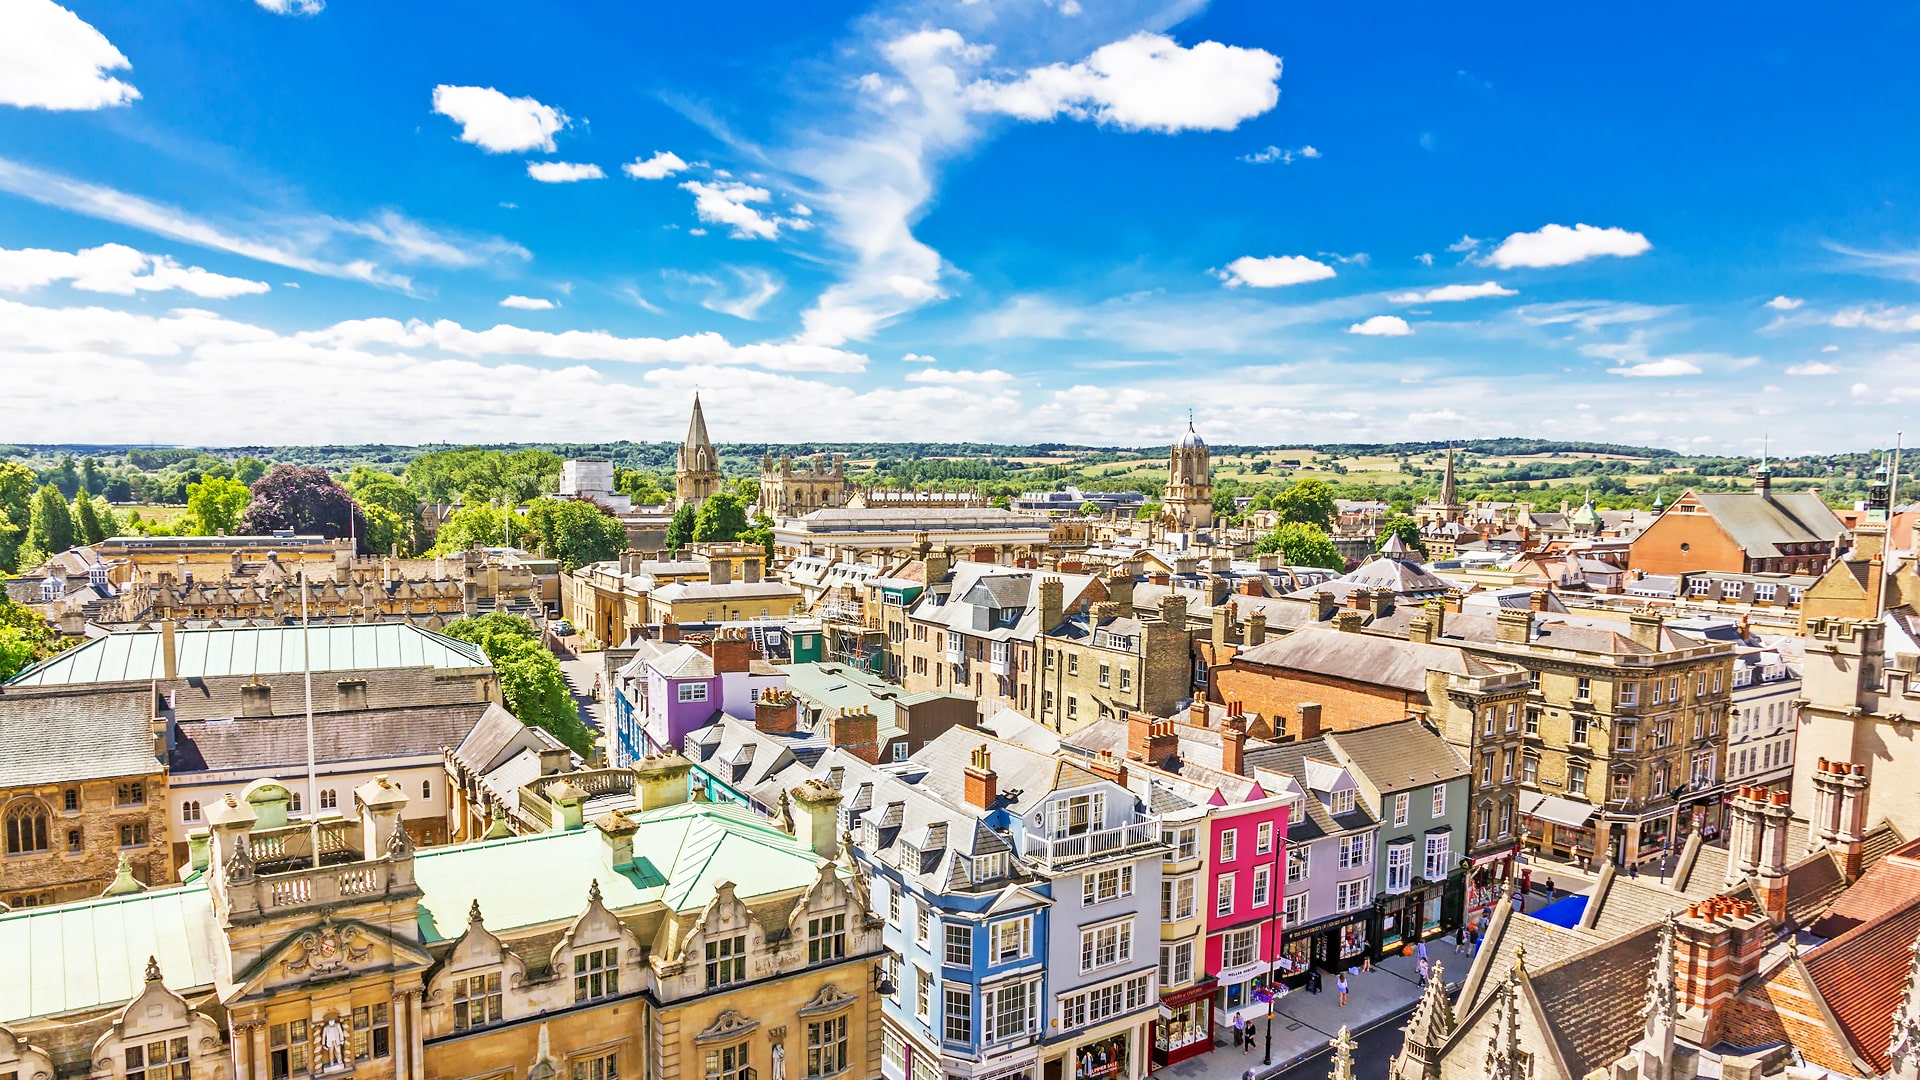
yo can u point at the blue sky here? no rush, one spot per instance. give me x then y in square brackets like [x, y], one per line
[228, 221]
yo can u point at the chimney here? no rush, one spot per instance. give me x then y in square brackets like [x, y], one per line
[775, 712]
[938, 564]
[983, 784]
[750, 569]
[1163, 743]
[1771, 885]
[1139, 725]
[1323, 606]
[1645, 629]
[1742, 858]
[1357, 599]
[1173, 610]
[1233, 745]
[555, 760]
[1159, 577]
[1853, 816]
[1256, 628]
[1052, 607]
[731, 650]
[1105, 765]
[1515, 627]
[1717, 943]
[1251, 587]
[1309, 720]
[570, 801]
[1350, 622]
[1268, 562]
[857, 731]
[1222, 626]
[616, 831]
[719, 570]
[660, 780]
[630, 560]
[1197, 712]
[1420, 630]
[256, 699]
[816, 817]
[169, 663]
[669, 630]
[1437, 612]
[1120, 589]
[1537, 600]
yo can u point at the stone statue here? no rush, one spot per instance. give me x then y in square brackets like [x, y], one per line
[333, 1043]
[779, 1057]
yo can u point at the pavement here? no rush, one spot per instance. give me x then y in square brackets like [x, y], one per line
[1304, 1023]
[579, 669]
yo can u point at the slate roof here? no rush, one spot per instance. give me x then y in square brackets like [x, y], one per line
[1025, 776]
[1760, 523]
[269, 743]
[73, 957]
[1398, 756]
[693, 591]
[496, 737]
[135, 654]
[1593, 999]
[1294, 759]
[1367, 658]
[63, 737]
[744, 757]
[985, 584]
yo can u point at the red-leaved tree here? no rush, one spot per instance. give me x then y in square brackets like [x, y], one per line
[305, 499]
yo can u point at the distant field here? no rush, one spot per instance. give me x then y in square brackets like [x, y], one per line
[150, 511]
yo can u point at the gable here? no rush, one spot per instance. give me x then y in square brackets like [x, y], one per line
[326, 950]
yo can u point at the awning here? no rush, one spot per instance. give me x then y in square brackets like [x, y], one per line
[1553, 808]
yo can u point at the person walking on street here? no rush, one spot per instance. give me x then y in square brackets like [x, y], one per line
[1240, 1031]
[1549, 888]
[1460, 940]
[1422, 968]
[1420, 950]
[1340, 984]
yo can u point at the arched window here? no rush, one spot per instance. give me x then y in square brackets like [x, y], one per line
[190, 811]
[426, 789]
[26, 827]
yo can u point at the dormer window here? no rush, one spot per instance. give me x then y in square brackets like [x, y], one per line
[1340, 802]
[990, 867]
[51, 589]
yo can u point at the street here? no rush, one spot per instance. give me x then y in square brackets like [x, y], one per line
[1370, 1059]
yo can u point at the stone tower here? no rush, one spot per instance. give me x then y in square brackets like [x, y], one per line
[1189, 500]
[696, 474]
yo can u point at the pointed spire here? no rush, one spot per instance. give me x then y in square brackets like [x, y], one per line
[1903, 1050]
[1432, 1020]
[593, 892]
[153, 969]
[1447, 489]
[1343, 1046]
[697, 427]
[1660, 1007]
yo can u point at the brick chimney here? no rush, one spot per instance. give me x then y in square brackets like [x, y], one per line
[731, 650]
[1251, 587]
[1108, 767]
[1222, 626]
[1771, 883]
[1163, 743]
[1380, 601]
[1256, 631]
[938, 563]
[1120, 589]
[1233, 742]
[1052, 606]
[1309, 719]
[1197, 712]
[1323, 606]
[1645, 629]
[1173, 610]
[719, 571]
[1351, 622]
[1853, 817]
[1139, 727]
[1537, 599]
[1717, 944]
[983, 784]
[1514, 627]
[669, 630]
[857, 731]
[1420, 630]
[776, 712]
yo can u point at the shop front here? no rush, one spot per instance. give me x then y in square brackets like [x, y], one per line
[1184, 1028]
[1558, 828]
[1108, 1057]
[1486, 876]
[1419, 913]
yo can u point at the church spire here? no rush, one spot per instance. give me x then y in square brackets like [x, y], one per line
[697, 428]
[1447, 489]
[697, 472]
[1506, 1060]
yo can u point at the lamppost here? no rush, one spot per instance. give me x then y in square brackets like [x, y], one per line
[1275, 893]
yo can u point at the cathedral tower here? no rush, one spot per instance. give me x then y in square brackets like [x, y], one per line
[697, 472]
[1189, 500]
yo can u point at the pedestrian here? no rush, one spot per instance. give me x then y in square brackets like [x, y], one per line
[1340, 984]
[1246, 1040]
[1239, 1030]
[1633, 870]
[1253, 1039]
[1460, 940]
[1366, 961]
[1549, 888]
[1421, 966]
[1420, 950]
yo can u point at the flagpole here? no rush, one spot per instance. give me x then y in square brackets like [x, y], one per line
[1893, 500]
[306, 662]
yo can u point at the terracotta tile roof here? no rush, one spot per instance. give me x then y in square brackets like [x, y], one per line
[1892, 883]
[1862, 975]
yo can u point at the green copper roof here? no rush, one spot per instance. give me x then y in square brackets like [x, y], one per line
[249, 650]
[680, 853]
[85, 955]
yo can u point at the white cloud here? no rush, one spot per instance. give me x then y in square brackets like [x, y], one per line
[1449, 293]
[1425, 258]
[527, 303]
[1591, 314]
[115, 268]
[50, 58]
[916, 358]
[562, 172]
[1272, 271]
[1274, 153]
[497, 123]
[293, 7]
[1815, 367]
[1784, 303]
[309, 242]
[1382, 326]
[1464, 244]
[1557, 245]
[725, 203]
[1829, 348]
[1146, 82]
[756, 287]
[1883, 319]
[1666, 367]
[662, 164]
[945, 377]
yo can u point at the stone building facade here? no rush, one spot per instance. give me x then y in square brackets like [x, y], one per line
[1189, 498]
[1107, 662]
[787, 491]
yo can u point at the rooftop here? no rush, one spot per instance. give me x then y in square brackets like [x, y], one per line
[135, 655]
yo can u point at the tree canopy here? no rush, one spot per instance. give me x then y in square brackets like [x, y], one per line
[530, 679]
[720, 519]
[24, 637]
[1300, 544]
[474, 475]
[1307, 501]
[1404, 527]
[680, 529]
[217, 505]
[50, 529]
[305, 499]
[391, 508]
[574, 531]
[477, 523]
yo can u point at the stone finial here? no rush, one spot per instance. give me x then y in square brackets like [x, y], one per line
[239, 866]
[1343, 1046]
[153, 969]
[473, 911]
[593, 892]
[124, 883]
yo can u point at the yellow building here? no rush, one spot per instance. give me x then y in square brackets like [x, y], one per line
[664, 940]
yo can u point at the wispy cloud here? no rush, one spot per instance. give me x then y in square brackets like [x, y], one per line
[1452, 293]
[1274, 154]
[1272, 271]
[298, 242]
[563, 172]
[527, 303]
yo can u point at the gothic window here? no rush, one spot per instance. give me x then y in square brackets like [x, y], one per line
[27, 828]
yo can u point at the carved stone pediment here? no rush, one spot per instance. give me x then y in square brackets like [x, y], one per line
[327, 948]
[830, 999]
[728, 1027]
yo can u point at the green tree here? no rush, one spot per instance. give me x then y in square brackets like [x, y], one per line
[1407, 529]
[530, 679]
[217, 505]
[91, 482]
[474, 475]
[680, 529]
[1300, 544]
[720, 519]
[760, 533]
[248, 469]
[50, 531]
[16, 651]
[87, 528]
[1307, 501]
[1091, 510]
[65, 477]
[24, 637]
[478, 523]
[16, 512]
[303, 498]
[391, 508]
[643, 487]
[575, 531]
